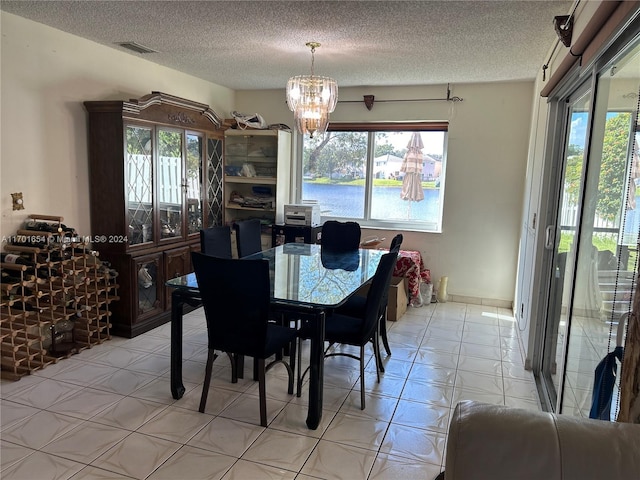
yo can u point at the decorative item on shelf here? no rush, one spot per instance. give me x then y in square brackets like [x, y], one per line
[232, 170]
[18, 203]
[248, 170]
[269, 151]
[441, 295]
[249, 121]
[312, 98]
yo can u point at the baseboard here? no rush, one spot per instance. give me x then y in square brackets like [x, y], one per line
[489, 302]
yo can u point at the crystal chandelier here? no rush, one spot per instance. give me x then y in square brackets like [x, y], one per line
[312, 98]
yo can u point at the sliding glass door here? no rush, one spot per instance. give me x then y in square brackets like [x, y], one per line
[562, 239]
[595, 239]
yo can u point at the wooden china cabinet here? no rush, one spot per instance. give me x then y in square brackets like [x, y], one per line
[155, 172]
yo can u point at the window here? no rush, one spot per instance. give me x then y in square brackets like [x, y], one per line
[387, 176]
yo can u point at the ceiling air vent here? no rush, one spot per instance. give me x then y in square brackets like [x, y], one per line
[135, 47]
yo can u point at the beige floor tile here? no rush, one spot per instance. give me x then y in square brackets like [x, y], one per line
[226, 436]
[281, 450]
[390, 467]
[194, 464]
[176, 424]
[38, 430]
[137, 455]
[243, 470]
[86, 442]
[42, 465]
[356, 431]
[108, 412]
[421, 445]
[338, 461]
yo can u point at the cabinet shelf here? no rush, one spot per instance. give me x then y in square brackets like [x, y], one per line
[269, 153]
[251, 180]
[240, 159]
[231, 206]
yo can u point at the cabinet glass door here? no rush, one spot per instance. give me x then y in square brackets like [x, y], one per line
[169, 183]
[214, 182]
[194, 182]
[139, 184]
[149, 290]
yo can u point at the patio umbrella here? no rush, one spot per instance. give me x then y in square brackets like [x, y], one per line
[412, 168]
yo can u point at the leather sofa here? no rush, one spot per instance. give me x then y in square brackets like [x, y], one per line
[494, 442]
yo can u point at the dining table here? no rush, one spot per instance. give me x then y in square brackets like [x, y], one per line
[306, 284]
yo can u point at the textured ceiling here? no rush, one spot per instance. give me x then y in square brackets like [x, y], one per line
[260, 44]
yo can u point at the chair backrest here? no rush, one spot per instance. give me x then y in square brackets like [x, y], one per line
[240, 287]
[349, 261]
[396, 243]
[248, 237]
[378, 291]
[216, 241]
[340, 236]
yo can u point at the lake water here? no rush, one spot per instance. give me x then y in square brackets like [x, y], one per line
[348, 201]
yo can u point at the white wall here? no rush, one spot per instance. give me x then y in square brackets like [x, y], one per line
[486, 167]
[46, 75]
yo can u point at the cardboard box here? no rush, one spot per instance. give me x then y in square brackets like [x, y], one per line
[398, 299]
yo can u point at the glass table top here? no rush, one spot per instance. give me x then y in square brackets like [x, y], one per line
[304, 274]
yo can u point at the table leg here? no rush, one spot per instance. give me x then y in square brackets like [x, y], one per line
[177, 301]
[316, 372]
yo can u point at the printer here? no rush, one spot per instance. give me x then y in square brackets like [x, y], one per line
[302, 214]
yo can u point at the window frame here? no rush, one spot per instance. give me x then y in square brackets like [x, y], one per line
[372, 128]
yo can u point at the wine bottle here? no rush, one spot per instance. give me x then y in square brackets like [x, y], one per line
[15, 259]
[31, 292]
[76, 279]
[59, 255]
[110, 273]
[6, 277]
[7, 299]
[26, 306]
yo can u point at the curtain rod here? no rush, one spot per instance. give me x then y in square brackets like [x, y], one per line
[369, 99]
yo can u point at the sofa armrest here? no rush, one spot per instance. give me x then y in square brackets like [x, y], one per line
[495, 442]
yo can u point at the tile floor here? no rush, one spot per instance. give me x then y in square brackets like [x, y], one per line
[108, 413]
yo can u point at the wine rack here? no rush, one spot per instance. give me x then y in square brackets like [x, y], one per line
[56, 297]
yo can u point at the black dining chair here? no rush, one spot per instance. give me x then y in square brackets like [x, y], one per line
[355, 306]
[396, 242]
[244, 285]
[248, 237]
[357, 330]
[216, 241]
[340, 236]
